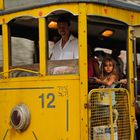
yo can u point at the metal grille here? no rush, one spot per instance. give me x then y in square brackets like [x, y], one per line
[109, 114]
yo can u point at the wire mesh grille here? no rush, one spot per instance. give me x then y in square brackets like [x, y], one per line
[109, 114]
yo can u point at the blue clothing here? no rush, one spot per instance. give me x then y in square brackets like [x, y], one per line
[105, 95]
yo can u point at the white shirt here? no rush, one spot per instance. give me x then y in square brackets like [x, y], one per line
[69, 51]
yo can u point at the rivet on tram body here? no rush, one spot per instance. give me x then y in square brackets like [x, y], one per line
[40, 13]
[105, 10]
[3, 20]
[132, 80]
[132, 17]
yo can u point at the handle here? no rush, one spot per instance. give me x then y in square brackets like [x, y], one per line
[116, 116]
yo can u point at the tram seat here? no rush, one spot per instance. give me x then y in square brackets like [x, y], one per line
[56, 67]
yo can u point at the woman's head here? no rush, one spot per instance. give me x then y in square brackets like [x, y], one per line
[108, 66]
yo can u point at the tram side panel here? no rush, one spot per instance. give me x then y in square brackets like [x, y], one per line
[53, 108]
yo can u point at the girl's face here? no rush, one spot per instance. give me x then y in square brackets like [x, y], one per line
[108, 67]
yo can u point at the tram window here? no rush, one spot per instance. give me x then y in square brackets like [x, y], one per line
[23, 51]
[102, 46]
[62, 60]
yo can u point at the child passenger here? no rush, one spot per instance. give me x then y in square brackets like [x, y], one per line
[108, 76]
[108, 73]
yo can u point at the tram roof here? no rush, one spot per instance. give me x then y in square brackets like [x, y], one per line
[17, 5]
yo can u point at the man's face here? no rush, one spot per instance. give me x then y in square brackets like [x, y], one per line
[63, 29]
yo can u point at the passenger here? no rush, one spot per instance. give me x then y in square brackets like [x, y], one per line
[93, 69]
[100, 56]
[115, 55]
[108, 76]
[93, 65]
[67, 46]
[108, 73]
[123, 81]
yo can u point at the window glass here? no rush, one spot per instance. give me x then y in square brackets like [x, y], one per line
[62, 43]
[59, 67]
[23, 49]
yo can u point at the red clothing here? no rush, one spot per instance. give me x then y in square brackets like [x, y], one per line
[91, 64]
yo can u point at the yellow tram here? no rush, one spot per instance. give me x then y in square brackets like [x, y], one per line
[37, 102]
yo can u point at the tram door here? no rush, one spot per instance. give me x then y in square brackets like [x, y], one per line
[109, 116]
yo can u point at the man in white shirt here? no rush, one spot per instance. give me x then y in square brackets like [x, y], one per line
[67, 46]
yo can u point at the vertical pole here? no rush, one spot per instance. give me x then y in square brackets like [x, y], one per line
[5, 44]
[1, 4]
[42, 45]
[82, 43]
[131, 81]
[111, 115]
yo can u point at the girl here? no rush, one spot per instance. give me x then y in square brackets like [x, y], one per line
[108, 73]
[108, 76]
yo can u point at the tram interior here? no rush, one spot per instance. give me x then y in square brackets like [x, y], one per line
[24, 36]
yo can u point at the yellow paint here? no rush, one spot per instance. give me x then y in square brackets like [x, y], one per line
[82, 42]
[112, 12]
[1, 4]
[5, 43]
[73, 8]
[46, 123]
[42, 45]
[131, 81]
